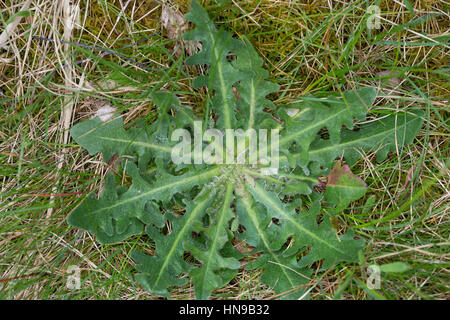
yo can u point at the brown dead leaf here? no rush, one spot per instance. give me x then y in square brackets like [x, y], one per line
[173, 21]
[343, 186]
[338, 171]
[175, 25]
[245, 249]
[410, 175]
[392, 80]
[408, 179]
[242, 246]
[236, 93]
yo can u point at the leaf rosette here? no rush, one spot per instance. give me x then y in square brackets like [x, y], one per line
[201, 209]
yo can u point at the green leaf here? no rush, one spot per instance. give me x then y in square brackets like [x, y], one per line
[305, 231]
[330, 113]
[111, 138]
[382, 135]
[26, 13]
[280, 272]
[216, 45]
[207, 277]
[163, 269]
[113, 217]
[395, 267]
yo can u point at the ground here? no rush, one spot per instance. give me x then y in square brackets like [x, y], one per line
[309, 47]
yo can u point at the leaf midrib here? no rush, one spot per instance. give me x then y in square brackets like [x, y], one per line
[187, 224]
[320, 124]
[351, 142]
[140, 143]
[253, 216]
[226, 206]
[274, 206]
[205, 174]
